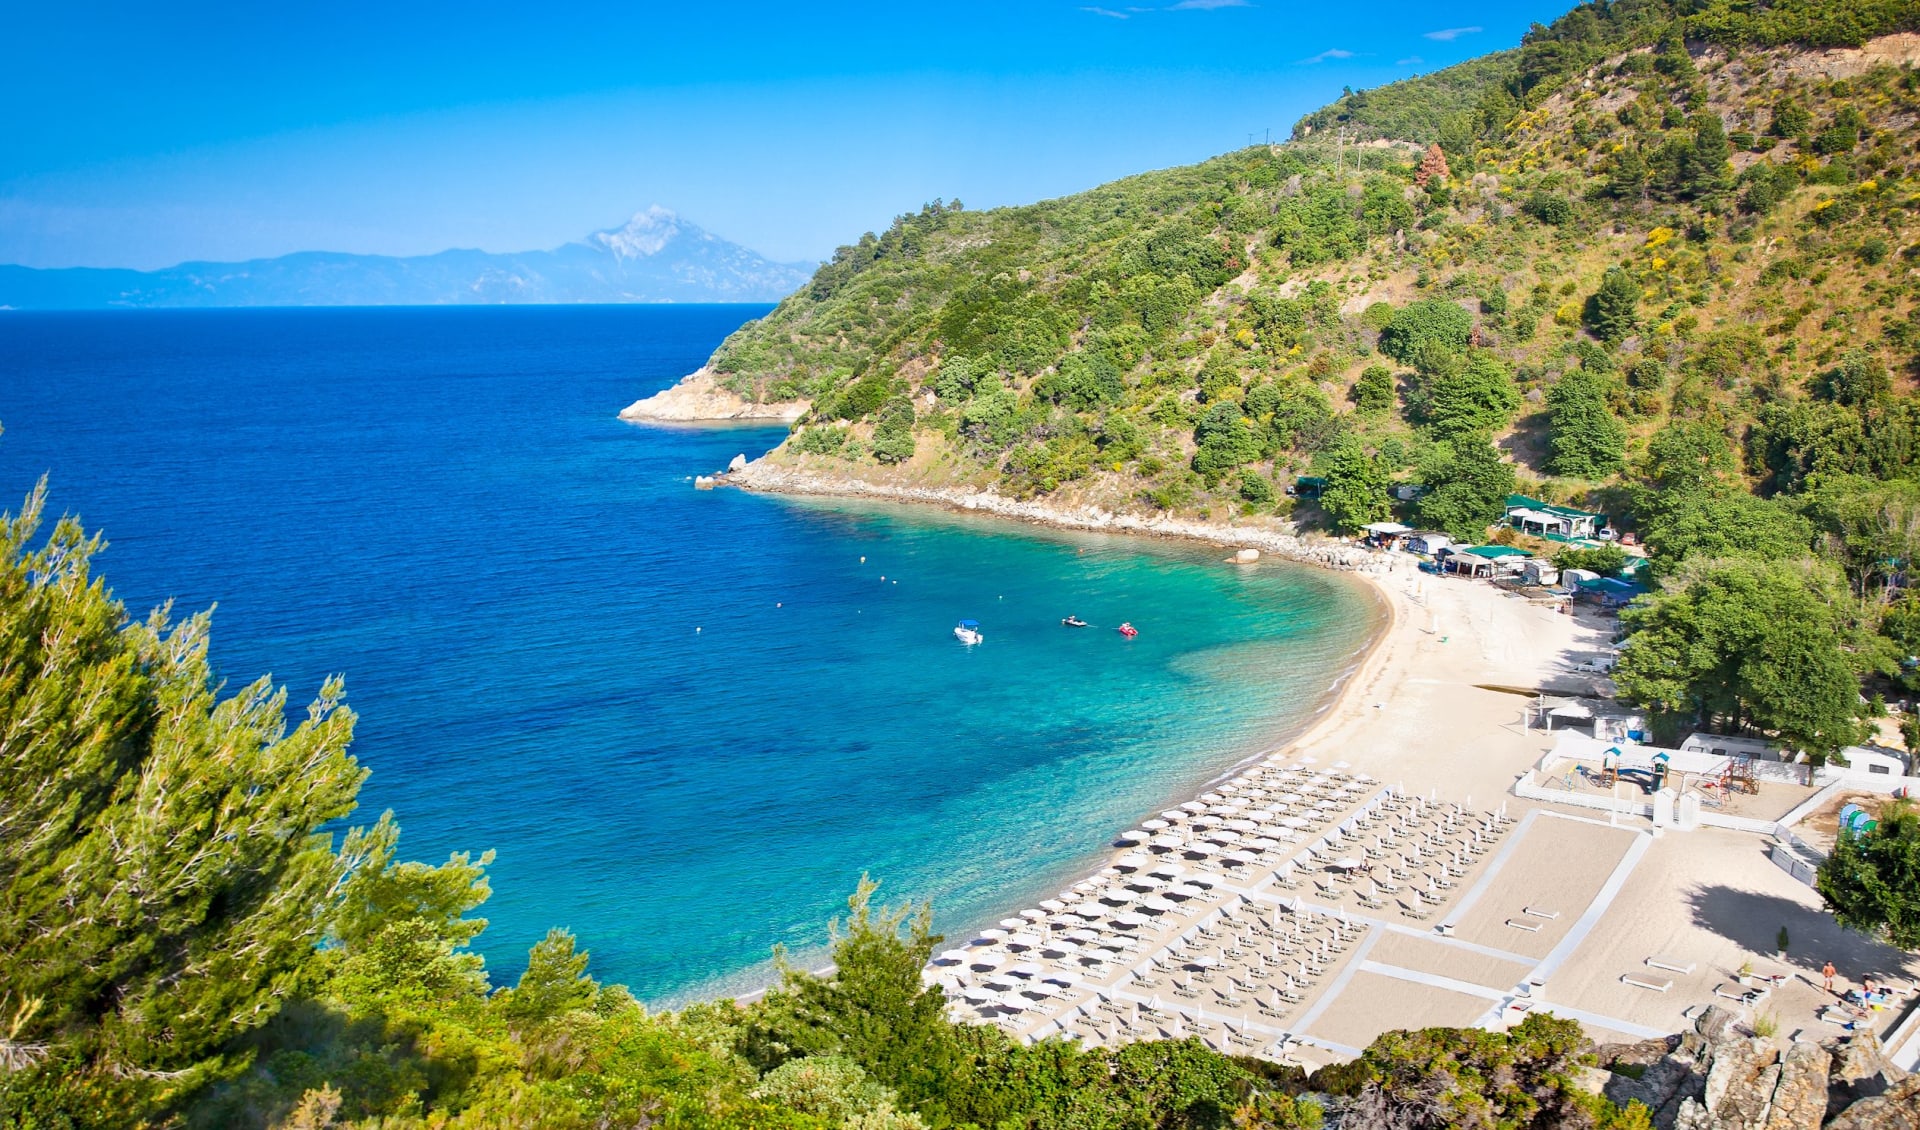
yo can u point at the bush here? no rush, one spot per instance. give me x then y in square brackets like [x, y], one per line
[821, 439]
[1431, 321]
[893, 435]
[1373, 393]
[1549, 207]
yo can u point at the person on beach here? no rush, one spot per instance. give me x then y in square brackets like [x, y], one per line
[1827, 972]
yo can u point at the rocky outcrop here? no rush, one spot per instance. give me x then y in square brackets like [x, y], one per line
[1861, 1070]
[1715, 1078]
[1897, 1109]
[760, 475]
[699, 397]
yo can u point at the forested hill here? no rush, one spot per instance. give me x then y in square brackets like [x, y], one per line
[1660, 259]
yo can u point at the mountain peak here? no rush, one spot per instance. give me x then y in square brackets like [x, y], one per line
[643, 235]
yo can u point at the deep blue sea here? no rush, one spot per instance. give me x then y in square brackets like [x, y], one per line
[686, 720]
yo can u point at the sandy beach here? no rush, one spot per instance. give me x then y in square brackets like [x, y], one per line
[1557, 908]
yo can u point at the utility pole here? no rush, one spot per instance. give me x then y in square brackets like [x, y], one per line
[1340, 153]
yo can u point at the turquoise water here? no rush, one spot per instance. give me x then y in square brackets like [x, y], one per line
[686, 720]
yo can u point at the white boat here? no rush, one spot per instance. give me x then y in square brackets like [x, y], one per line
[968, 632]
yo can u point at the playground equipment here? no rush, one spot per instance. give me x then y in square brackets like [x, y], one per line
[1735, 776]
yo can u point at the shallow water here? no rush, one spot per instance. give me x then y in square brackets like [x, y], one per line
[687, 720]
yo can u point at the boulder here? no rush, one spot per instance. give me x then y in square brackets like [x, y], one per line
[1897, 1109]
[1861, 1070]
[737, 463]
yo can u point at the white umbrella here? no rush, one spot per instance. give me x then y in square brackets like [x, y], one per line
[1168, 871]
[1200, 847]
[1052, 904]
[1155, 825]
[1083, 935]
[1242, 857]
[953, 957]
[1347, 863]
[1131, 920]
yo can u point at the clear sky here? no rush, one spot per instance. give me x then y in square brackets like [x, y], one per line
[143, 134]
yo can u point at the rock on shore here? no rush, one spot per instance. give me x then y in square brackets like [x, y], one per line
[1715, 1078]
[700, 397]
[760, 475]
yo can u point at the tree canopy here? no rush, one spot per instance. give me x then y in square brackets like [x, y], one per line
[1871, 881]
[1739, 643]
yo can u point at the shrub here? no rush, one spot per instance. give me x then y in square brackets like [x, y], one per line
[1430, 321]
[1549, 207]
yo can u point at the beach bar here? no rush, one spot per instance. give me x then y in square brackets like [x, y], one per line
[1532, 516]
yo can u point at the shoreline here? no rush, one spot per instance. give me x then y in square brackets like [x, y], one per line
[1334, 707]
[1330, 709]
[1324, 552]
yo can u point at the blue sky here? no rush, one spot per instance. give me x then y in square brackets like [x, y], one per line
[142, 135]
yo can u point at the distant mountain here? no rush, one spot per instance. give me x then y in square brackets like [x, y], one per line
[654, 257]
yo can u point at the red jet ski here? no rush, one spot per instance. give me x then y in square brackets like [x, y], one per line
[1129, 631]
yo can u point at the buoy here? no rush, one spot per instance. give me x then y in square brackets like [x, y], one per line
[863, 561]
[778, 604]
[696, 631]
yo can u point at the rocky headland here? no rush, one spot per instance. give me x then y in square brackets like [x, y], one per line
[700, 398]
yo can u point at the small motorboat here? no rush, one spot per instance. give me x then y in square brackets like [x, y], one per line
[968, 632]
[1128, 631]
[1073, 622]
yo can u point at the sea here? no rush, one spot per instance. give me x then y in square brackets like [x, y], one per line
[686, 721]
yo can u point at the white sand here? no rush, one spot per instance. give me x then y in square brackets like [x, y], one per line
[1423, 713]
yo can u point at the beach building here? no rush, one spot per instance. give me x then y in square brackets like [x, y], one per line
[1387, 535]
[1426, 543]
[1558, 523]
[1308, 487]
[1486, 561]
[1538, 572]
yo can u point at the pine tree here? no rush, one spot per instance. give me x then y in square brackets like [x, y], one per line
[555, 982]
[1433, 166]
[1613, 311]
[160, 871]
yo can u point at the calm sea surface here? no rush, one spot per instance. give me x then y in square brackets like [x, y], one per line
[686, 720]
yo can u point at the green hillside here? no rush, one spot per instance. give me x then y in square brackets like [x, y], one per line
[1658, 260]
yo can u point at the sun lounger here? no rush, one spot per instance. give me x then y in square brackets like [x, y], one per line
[1646, 982]
[1741, 993]
[1670, 964]
[1533, 913]
[1529, 927]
